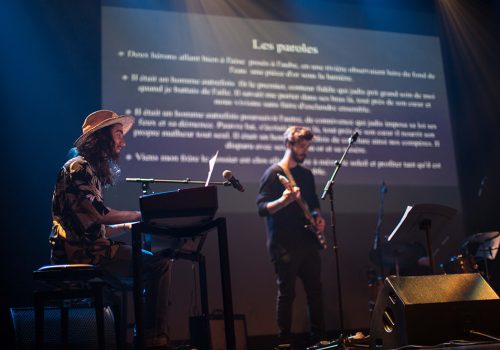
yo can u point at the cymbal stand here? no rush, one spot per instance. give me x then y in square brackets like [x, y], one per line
[145, 182]
[378, 243]
[425, 225]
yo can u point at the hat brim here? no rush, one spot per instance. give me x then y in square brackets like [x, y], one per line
[125, 120]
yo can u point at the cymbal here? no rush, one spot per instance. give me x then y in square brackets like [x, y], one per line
[402, 253]
[483, 236]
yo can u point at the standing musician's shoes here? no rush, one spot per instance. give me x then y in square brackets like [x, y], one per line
[161, 347]
[283, 341]
[320, 345]
[157, 342]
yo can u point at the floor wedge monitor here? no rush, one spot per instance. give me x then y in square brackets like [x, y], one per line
[430, 310]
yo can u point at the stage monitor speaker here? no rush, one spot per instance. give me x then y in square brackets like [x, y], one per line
[430, 310]
[82, 333]
[215, 337]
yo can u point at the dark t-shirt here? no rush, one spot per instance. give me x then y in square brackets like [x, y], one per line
[285, 228]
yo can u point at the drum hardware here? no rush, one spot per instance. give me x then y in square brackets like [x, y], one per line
[460, 264]
[481, 246]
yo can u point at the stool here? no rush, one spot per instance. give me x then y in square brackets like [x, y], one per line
[78, 281]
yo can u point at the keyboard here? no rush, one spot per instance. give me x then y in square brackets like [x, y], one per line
[179, 208]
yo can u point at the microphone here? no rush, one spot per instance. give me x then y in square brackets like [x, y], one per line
[354, 137]
[228, 175]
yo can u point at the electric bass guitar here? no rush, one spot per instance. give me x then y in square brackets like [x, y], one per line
[311, 226]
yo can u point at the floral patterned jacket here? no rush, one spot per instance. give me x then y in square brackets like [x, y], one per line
[77, 235]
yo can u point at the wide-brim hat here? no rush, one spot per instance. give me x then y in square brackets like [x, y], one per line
[100, 119]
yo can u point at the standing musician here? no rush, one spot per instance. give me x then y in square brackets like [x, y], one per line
[82, 222]
[295, 233]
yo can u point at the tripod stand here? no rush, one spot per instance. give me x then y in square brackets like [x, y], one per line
[328, 190]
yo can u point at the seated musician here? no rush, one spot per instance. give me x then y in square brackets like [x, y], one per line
[82, 222]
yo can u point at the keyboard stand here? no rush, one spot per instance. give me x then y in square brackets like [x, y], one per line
[220, 224]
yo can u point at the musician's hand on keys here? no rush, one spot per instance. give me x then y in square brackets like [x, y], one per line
[127, 227]
[112, 230]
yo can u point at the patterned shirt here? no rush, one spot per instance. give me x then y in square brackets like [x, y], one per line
[77, 208]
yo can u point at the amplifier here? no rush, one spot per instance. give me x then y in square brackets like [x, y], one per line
[82, 332]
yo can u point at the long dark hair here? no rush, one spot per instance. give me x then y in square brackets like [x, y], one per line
[97, 149]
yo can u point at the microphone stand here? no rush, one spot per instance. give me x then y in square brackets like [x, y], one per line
[329, 190]
[146, 189]
[378, 244]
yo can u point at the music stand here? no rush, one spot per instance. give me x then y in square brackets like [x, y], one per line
[429, 218]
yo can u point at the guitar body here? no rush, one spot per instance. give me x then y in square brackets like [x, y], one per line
[310, 222]
[320, 238]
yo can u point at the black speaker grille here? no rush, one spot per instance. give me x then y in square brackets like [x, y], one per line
[82, 333]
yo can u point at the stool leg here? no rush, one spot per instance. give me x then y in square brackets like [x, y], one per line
[39, 316]
[99, 314]
[123, 320]
[118, 314]
[64, 326]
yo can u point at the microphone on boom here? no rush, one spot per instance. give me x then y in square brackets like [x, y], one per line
[228, 175]
[354, 137]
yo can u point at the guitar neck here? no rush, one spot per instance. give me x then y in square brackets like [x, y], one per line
[300, 201]
[305, 208]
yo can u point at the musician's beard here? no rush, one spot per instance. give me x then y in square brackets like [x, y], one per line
[297, 157]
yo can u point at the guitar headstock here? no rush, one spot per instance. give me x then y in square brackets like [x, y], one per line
[284, 181]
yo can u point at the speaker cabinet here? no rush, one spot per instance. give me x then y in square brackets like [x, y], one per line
[82, 332]
[214, 338]
[430, 310]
